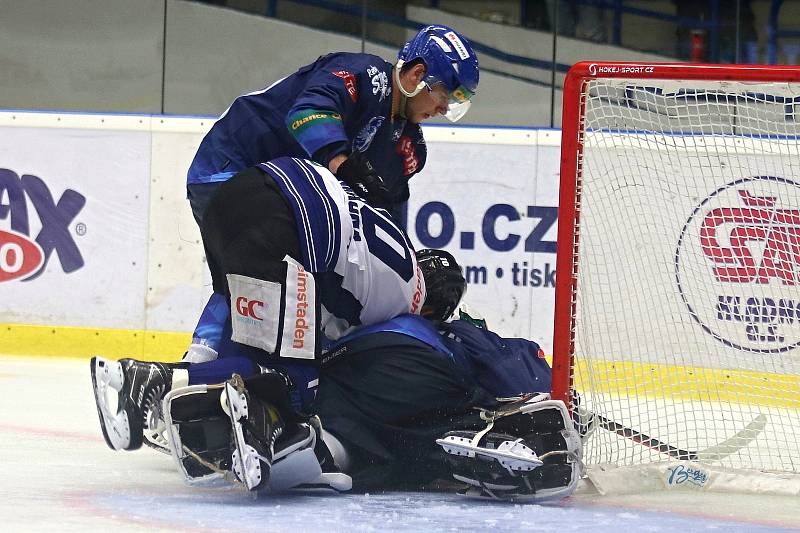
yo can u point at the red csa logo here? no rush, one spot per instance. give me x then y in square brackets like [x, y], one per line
[408, 152]
[737, 264]
[247, 308]
[19, 256]
[349, 83]
[759, 228]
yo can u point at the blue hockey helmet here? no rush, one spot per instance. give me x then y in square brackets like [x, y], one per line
[449, 60]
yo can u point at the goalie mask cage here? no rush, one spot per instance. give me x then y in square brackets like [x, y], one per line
[677, 317]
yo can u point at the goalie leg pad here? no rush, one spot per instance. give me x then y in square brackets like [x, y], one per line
[241, 431]
[295, 463]
[529, 451]
[215, 432]
[271, 452]
[198, 432]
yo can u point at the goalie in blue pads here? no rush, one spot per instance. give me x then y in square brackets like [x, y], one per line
[407, 383]
[403, 403]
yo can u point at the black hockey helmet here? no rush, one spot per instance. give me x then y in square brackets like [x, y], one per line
[444, 283]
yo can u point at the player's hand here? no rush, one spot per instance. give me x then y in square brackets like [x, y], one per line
[357, 172]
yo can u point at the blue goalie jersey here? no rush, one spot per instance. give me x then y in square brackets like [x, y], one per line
[341, 99]
[364, 265]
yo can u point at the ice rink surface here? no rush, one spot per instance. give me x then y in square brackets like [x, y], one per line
[60, 476]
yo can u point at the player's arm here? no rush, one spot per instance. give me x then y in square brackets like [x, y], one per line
[413, 151]
[317, 118]
[317, 123]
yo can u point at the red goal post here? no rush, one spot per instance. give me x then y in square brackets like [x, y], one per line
[680, 117]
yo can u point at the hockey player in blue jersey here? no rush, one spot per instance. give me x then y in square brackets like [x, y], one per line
[411, 401]
[355, 114]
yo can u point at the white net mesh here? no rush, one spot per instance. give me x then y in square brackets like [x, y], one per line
[687, 322]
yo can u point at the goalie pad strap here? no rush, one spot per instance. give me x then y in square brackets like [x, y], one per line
[186, 409]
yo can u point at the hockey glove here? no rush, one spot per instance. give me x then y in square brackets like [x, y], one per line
[357, 172]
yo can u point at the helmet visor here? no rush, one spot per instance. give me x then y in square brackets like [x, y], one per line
[456, 111]
[458, 103]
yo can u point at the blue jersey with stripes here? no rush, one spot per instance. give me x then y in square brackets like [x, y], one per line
[364, 265]
[340, 98]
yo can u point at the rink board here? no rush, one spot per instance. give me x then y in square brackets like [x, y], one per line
[127, 276]
[488, 195]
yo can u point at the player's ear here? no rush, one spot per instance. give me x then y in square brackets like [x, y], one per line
[417, 73]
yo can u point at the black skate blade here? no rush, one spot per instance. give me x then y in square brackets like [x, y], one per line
[97, 399]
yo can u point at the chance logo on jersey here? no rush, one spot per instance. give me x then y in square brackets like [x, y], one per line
[303, 119]
[349, 83]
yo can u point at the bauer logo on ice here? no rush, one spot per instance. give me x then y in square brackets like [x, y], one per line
[687, 476]
[738, 264]
[34, 226]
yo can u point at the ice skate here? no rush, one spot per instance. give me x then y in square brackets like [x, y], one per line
[139, 387]
[256, 427]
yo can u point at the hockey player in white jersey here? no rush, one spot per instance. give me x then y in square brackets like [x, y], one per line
[271, 225]
[298, 260]
[278, 221]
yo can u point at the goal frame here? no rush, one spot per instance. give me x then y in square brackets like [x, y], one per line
[572, 142]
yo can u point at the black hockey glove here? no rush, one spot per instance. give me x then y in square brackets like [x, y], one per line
[357, 172]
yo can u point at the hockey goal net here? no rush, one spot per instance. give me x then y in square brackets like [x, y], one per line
[678, 269]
